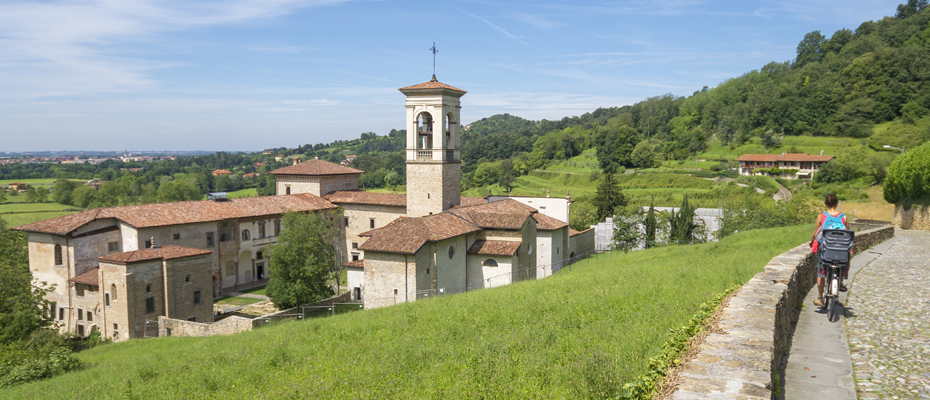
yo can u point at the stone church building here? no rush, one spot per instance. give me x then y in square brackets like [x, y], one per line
[114, 268]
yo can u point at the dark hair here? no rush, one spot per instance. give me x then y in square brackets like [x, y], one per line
[831, 201]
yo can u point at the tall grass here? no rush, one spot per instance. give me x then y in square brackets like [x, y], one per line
[587, 330]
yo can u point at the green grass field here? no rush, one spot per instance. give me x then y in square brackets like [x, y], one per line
[593, 326]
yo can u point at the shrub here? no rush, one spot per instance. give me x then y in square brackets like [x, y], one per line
[908, 177]
[43, 355]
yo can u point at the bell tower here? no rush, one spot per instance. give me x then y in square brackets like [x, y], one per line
[434, 147]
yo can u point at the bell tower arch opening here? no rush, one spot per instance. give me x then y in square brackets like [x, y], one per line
[433, 147]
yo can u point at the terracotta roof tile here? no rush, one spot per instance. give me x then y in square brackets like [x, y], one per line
[355, 264]
[88, 278]
[406, 235]
[783, 157]
[494, 247]
[547, 223]
[432, 84]
[61, 225]
[183, 212]
[572, 232]
[363, 197]
[473, 201]
[386, 199]
[161, 253]
[316, 167]
[504, 214]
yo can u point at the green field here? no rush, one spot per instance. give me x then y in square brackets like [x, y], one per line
[591, 327]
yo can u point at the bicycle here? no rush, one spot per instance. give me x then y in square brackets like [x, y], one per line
[834, 256]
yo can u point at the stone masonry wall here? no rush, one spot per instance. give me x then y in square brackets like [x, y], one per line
[740, 360]
[917, 217]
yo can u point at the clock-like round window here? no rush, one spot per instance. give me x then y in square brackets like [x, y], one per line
[451, 252]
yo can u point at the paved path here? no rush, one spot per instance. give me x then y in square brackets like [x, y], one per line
[889, 330]
[881, 348]
[819, 365]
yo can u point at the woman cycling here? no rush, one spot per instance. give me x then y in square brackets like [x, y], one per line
[833, 219]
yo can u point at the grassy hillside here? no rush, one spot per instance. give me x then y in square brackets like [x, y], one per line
[592, 327]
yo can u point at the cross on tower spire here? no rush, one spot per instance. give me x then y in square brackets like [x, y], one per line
[433, 49]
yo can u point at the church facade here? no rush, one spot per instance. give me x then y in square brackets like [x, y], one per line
[116, 267]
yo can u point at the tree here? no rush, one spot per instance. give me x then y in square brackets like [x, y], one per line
[650, 225]
[23, 308]
[61, 193]
[682, 226]
[628, 224]
[609, 197]
[83, 196]
[615, 144]
[810, 49]
[2, 196]
[909, 176]
[304, 263]
[770, 139]
[643, 155]
[911, 8]
[30, 194]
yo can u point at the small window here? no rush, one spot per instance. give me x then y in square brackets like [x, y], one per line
[210, 239]
[79, 289]
[187, 279]
[148, 288]
[372, 223]
[261, 229]
[427, 271]
[287, 190]
[115, 331]
[259, 255]
[490, 263]
[52, 307]
[347, 221]
[91, 289]
[354, 245]
[197, 299]
[354, 256]
[112, 246]
[80, 329]
[149, 305]
[277, 227]
[80, 314]
[61, 314]
[451, 252]
[246, 235]
[113, 291]
[148, 244]
[58, 257]
[90, 316]
[395, 292]
[177, 236]
[106, 299]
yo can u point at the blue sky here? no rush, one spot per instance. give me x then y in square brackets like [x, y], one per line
[249, 75]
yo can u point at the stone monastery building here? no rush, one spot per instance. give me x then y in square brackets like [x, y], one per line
[114, 268]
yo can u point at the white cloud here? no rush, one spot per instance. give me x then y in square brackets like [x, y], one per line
[63, 48]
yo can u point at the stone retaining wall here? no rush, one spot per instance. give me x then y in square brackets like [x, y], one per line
[741, 359]
[917, 217]
[228, 326]
[233, 324]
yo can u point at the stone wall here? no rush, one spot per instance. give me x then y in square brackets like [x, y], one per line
[228, 326]
[917, 217]
[741, 359]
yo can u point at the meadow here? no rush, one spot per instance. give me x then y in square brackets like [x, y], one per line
[586, 330]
